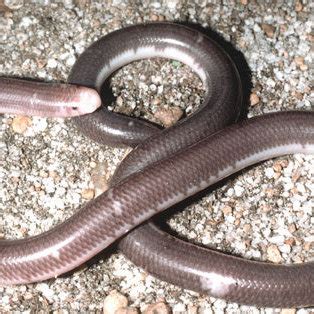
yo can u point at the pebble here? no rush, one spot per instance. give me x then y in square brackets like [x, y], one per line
[113, 302]
[269, 30]
[247, 228]
[5, 299]
[47, 292]
[13, 4]
[21, 123]
[52, 63]
[157, 308]
[285, 248]
[100, 177]
[298, 6]
[254, 99]
[299, 61]
[269, 172]
[192, 309]
[127, 310]
[179, 308]
[88, 194]
[292, 228]
[227, 210]
[308, 245]
[168, 117]
[173, 4]
[238, 190]
[288, 311]
[273, 254]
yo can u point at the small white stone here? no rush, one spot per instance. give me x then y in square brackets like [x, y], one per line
[153, 87]
[278, 239]
[5, 299]
[172, 4]
[45, 290]
[256, 254]
[230, 192]
[269, 172]
[26, 22]
[220, 304]
[160, 89]
[230, 219]
[52, 63]
[156, 5]
[113, 302]
[238, 190]
[156, 79]
[301, 188]
[49, 184]
[70, 61]
[179, 308]
[256, 28]
[285, 248]
[270, 82]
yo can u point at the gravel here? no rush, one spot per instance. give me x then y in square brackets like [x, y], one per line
[48, 169]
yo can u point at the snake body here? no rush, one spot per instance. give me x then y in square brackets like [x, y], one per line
[34, 98]
[169, 167]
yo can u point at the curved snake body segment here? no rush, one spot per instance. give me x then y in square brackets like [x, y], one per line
[184, 160]
[222, 102]
[219, 109]
[163, 184]
[46, 100]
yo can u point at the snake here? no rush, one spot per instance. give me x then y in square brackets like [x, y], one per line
[33, 98]
[164, 168]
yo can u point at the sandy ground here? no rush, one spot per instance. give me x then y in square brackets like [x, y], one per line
[48, 169]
